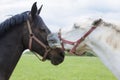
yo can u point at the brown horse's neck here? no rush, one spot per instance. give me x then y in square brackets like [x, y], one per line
[11, 49]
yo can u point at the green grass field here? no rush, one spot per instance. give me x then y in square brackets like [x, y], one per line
[73, 68]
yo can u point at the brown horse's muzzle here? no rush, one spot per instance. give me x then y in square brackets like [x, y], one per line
[56, 56]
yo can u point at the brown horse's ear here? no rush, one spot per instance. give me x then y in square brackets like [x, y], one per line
[40, 9]
[34, 10]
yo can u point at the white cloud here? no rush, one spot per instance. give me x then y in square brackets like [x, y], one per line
[63, 13]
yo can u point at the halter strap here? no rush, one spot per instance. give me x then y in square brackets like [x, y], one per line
[76, 43]
[31, 37]
[82, 39]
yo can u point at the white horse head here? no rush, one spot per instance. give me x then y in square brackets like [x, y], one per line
[104, 41]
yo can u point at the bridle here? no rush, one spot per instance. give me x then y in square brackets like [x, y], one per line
[31, 37]
[76, 43]
[80, 40]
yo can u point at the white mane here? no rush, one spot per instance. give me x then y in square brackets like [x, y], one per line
[106, 32]
[104, 41]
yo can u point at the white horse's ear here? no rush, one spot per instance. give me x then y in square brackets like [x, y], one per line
[40, 9]
[97, 22]
[34, 10]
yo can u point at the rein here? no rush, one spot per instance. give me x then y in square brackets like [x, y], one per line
[76, 43]
[31, 37]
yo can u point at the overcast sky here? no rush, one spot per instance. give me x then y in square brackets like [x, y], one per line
[63, 13]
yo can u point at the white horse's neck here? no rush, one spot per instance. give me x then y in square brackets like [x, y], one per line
[107, 56]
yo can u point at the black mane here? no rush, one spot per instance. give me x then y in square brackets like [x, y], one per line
[11, 22]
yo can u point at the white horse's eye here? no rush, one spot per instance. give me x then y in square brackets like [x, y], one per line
[53, 41]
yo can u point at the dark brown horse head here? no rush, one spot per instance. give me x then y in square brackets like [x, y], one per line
[25, 31]
[40, 31]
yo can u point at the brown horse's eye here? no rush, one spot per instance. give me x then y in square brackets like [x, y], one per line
[43, 30]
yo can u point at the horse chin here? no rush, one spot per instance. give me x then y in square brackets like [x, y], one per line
[57, 60]
[56, 56]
